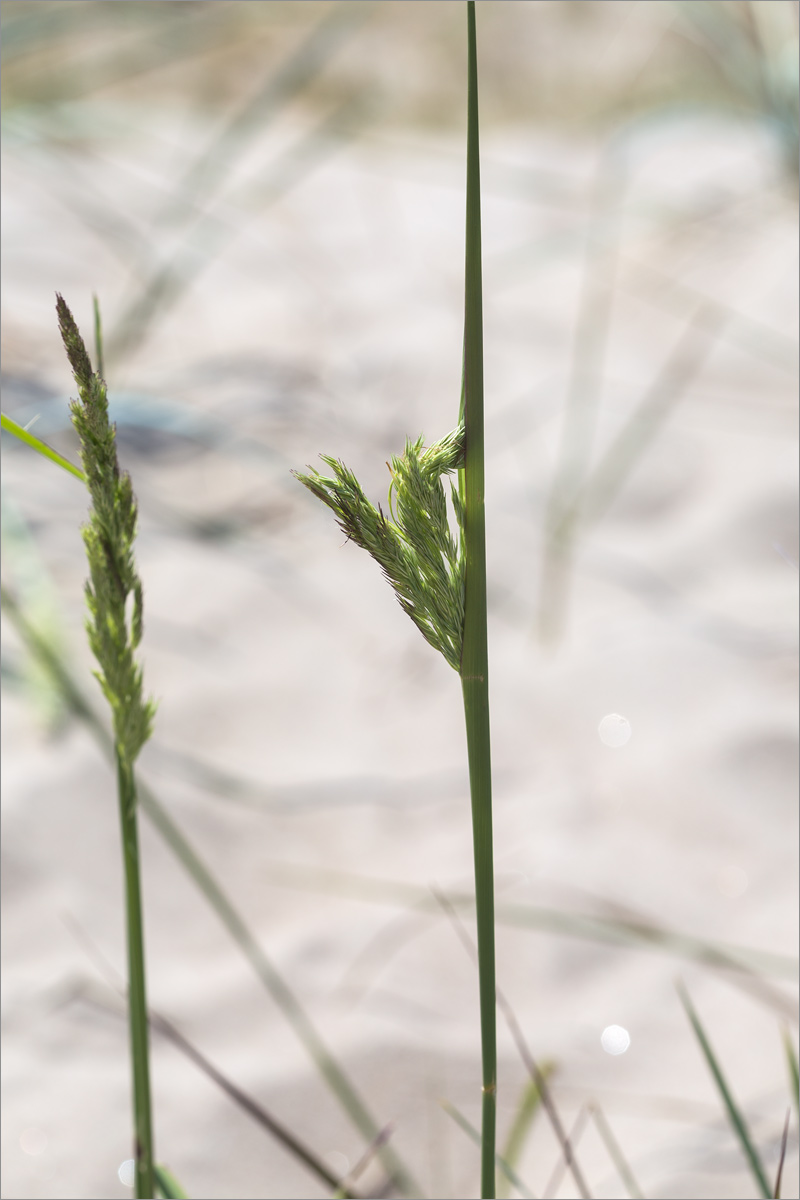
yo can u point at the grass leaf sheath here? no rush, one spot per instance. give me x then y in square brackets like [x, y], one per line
[114, 628]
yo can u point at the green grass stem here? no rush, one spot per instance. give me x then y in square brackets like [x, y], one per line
[474, 656]
[735, 1116]
[137, 1000]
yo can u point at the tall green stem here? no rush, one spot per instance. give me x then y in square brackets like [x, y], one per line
[137, 997]
[474, 659]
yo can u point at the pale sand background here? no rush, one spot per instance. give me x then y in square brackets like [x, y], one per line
[329, 320]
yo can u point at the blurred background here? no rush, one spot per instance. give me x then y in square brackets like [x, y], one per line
[267, 200]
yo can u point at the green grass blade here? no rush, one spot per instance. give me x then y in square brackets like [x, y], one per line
[11, 426]
[167, 1184]
[530, 1103]
[734, 1115]
[776, 1193]
[98, 339]
[269, 976]
[474, 657]
[794, 1075]
[472, 1133]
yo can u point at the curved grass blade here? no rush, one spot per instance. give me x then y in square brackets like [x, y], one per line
[30, 439]
[734, 1115]
[167, 1184]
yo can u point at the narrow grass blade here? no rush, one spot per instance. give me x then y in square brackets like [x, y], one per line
[530, 1103]
[474, 656]
[30, 439]
[98, 339]
[167, 1184]
[782, 1156]
[472, 1133]
[615, 1152]
[590, 926]
[734, 1115]
[290, 1006]
[794, 1075]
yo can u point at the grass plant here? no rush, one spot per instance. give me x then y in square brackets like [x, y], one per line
[434, 557]
[441, 583]
[114, 628]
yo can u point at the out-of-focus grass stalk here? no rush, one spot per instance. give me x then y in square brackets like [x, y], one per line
[474, 655]
[114, 629]
[615, 1152]
[735, 1117]
[794, 1074]
[530, 1103]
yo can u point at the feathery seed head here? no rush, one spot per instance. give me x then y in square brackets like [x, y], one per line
[414, 546]
[114, 626]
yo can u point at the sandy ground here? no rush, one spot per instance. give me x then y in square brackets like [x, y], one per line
[330, 322]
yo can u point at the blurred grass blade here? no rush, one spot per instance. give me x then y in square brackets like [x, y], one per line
[167, 1184]
[794, 1074]
[591, 926]
[734, 1115]
[30, 439]
[529, 1105]
[472, 1133]
[615, 1152]
[215, 164]
[287, 1002]
[98, 339]
[782, 1156]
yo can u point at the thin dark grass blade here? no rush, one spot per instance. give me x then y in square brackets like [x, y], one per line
[734, 1115]
[239, 1096]
[776, 1192]
[167, 1184]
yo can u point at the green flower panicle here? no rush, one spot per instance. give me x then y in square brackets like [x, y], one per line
[414, 545]
[113, 591]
